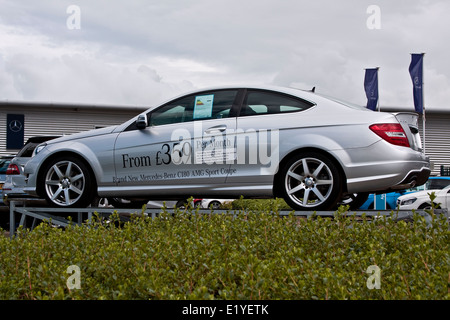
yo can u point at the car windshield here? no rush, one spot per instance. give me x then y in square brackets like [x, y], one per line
[27, 150]
[437, 184]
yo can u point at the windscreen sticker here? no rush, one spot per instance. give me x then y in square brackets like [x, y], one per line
[203, 106]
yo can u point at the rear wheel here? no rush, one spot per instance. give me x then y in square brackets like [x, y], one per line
[310, 181]
[68, 182]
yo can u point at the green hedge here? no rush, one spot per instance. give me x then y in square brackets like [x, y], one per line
[258, 255]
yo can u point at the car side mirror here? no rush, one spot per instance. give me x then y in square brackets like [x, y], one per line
[141, 121]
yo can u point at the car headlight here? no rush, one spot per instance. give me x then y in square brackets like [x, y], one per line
[39, 148]
[408, 201]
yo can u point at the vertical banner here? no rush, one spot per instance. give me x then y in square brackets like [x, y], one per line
[380, 201]
[15, 128]
[371, 88]
[416, 72]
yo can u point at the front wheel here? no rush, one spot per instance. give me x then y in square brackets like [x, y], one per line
[68, 182]
[426, 206]
[310, 181]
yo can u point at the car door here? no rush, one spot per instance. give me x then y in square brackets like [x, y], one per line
[183, 144]
[261, 125]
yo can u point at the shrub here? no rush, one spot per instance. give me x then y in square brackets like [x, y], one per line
[258, 255]
[265, 205]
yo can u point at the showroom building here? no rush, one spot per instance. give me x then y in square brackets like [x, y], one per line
[22, 120]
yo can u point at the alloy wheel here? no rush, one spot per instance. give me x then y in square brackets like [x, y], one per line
[65, 183]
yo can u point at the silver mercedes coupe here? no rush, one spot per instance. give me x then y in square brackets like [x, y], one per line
[227, 142]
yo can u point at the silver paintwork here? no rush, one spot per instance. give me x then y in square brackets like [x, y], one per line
[368, 163]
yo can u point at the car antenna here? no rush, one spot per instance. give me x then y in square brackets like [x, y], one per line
[313, 89]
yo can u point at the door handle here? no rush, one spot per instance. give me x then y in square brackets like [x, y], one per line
[216, 129]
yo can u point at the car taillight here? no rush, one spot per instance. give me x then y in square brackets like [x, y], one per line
[12, 169]
[392, 133]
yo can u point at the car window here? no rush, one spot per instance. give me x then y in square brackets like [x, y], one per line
[263, 102]
[200, 106]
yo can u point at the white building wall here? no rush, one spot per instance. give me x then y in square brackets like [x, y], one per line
[437, 139]
[40, 121]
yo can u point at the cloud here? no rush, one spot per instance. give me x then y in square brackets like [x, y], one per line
[75, 78]
[138, 52]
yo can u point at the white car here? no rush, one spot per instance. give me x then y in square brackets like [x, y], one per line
[214, 203]
[421, 199]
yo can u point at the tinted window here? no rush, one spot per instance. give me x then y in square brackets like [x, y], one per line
[263, 102]
[200, 106]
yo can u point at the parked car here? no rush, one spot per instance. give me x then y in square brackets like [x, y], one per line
[15, 179]
[391, 197]
[421, 199]
[214, 203]
[258, 142]
[4, 163]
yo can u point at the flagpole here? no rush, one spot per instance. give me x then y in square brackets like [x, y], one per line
[378, 90]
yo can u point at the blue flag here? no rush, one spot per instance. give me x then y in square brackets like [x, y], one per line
[371, 88]
[416, 72]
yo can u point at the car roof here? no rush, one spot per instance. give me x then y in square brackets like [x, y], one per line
[306, 94]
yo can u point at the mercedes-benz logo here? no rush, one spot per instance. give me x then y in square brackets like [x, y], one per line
[15, 126]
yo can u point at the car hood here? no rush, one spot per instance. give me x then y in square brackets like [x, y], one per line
[419, 194]
[84, 134]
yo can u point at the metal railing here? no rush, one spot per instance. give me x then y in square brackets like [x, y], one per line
[84, 215]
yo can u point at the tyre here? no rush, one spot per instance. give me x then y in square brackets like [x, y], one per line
[354, 200]
[215, 205]
[68, 182]
[101, 202]
[181, 204]
[425, 206]
[118, 203]
[310, 181]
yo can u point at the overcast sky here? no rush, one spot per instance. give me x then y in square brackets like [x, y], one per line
[140, 52]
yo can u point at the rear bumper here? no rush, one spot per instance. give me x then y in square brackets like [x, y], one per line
[414, 178]
[383, 168]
